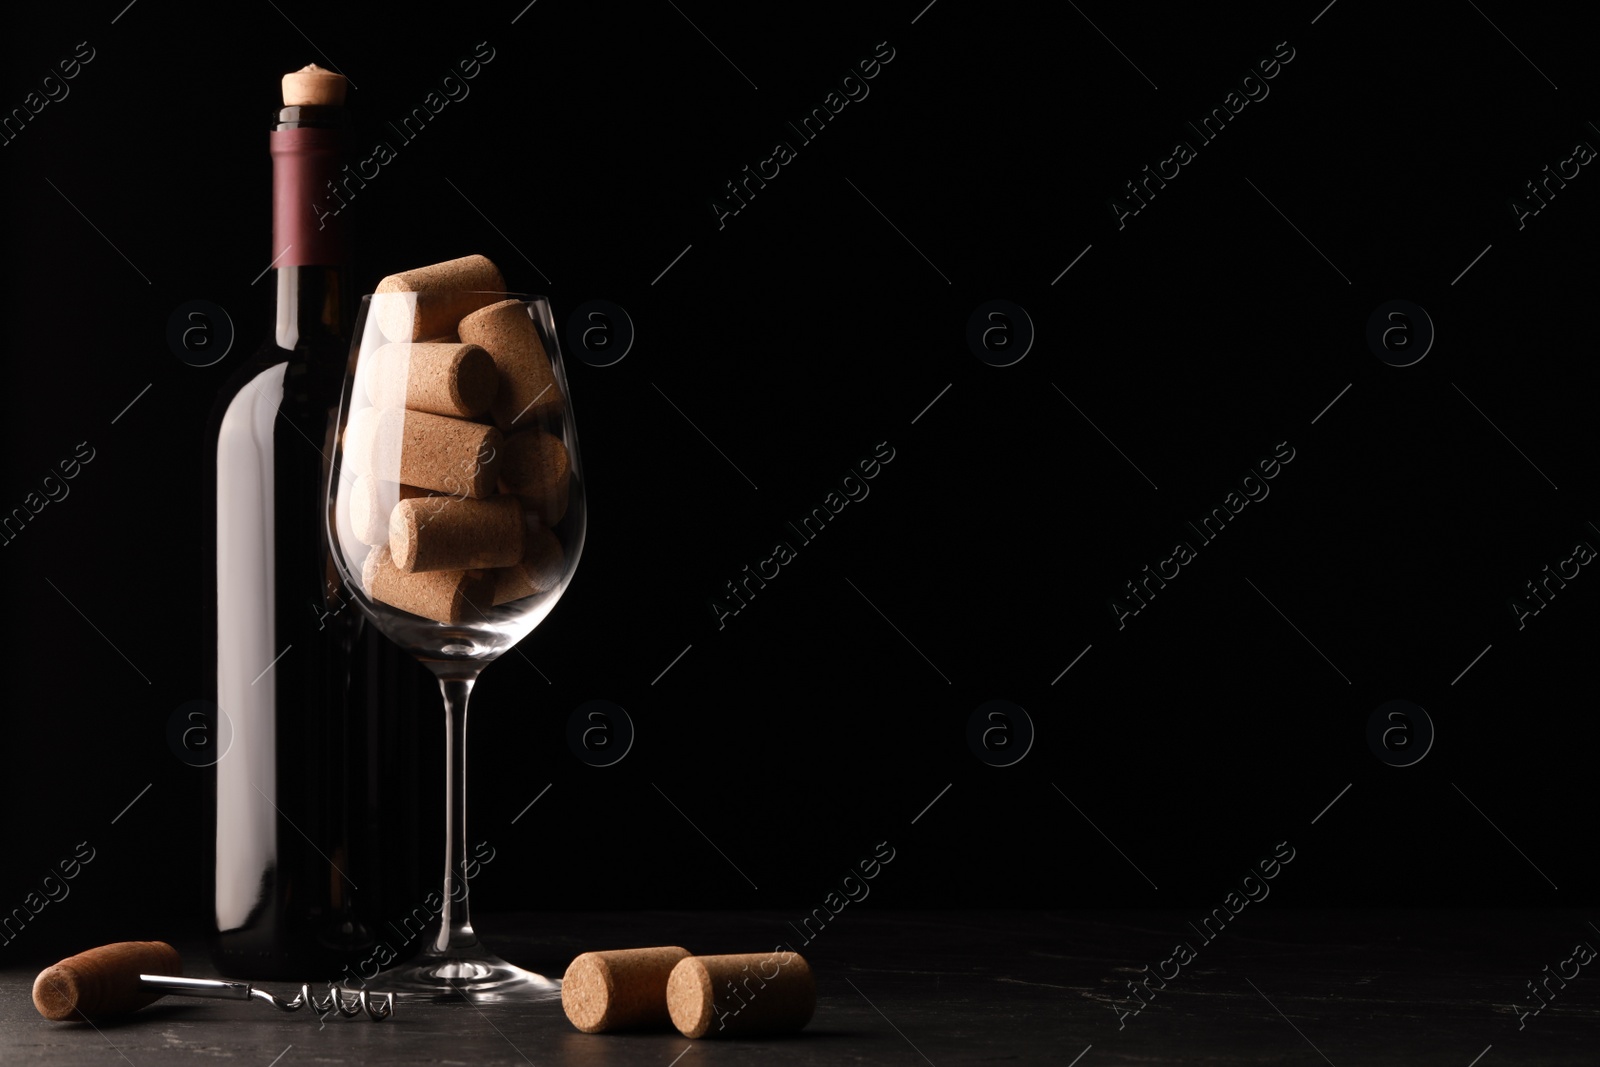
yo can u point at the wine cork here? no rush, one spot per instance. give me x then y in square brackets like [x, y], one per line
[619, 990]
[444, 596]
[446, 533]
[536, 467]
[437, 452]
[741, 996]
[371, 501]
[104, 980]
[361, 440]
[528, 387]
[540, 569]
[439, 378]
[431, 300]
[313, 85]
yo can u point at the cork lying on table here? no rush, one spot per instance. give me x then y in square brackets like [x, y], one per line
[446, 533]
[443, 293]
[436, 452]
[451, 597]
[540, 568]
[528, 387]
[741, 996]
[619, 990]
[536, 467]
[439, 378]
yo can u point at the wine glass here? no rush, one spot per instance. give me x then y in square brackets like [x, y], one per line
[456, 518]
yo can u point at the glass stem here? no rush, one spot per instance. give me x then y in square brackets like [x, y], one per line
[455, 920]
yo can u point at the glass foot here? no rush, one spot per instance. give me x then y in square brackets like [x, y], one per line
[477, 976]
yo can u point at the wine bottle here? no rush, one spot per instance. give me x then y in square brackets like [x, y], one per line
[315, 830]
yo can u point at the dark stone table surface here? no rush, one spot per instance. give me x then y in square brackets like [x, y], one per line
[912, 988]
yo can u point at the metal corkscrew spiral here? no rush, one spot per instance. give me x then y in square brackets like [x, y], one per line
[348, 1003]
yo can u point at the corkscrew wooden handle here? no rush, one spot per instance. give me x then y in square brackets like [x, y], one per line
[104, 980]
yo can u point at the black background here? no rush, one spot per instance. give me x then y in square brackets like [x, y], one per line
[800, 334]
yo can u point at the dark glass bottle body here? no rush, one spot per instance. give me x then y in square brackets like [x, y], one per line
[315, 835]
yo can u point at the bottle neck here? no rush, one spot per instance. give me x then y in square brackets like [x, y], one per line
[310, 246]
[312, 306]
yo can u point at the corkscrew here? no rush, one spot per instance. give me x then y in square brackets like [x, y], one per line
[349, 1003]
[119, 978]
